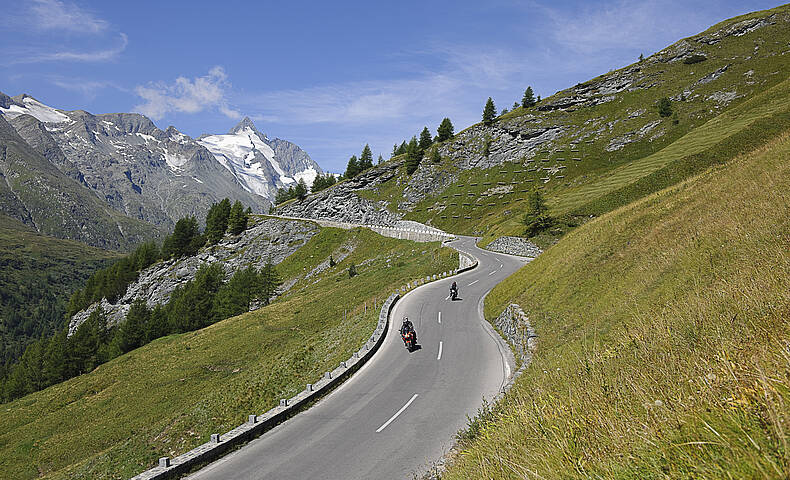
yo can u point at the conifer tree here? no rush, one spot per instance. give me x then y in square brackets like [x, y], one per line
[217, 221]
[529, 98]
[380, 160]
[515, 106]
[131, 333]
[402, 148]
[435, 157]
[489, 112]
[301, 189]
[366, 159]
[269, 282]
[237, 222]
[425, 140]
[413, 155]
[445, 130]
[537, 218]
[352, 169]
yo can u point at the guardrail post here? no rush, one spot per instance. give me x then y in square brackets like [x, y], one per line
[252, 419]
[283, 402]
[164, 462]
[309, 387]
[215, 438]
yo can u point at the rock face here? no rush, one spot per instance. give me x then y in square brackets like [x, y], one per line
[515, 246]
[154, 175]
[269, 238]
[341, 203]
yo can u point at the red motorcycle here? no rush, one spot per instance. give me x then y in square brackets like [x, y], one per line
[410, 340]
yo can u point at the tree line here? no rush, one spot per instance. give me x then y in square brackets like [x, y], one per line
[527, 100]
[202, 301]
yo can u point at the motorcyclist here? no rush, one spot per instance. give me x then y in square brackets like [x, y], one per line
[407, 327]
[453, 291]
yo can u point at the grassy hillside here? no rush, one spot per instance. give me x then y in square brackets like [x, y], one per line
[663, 339]
[607, 144]
[38, 275]
[170, 395]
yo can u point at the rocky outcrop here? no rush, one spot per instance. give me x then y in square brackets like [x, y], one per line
[514, 325]
[270, 238]
[341, 203]
[515, 246]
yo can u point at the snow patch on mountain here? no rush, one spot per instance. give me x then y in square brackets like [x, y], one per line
[33, 107]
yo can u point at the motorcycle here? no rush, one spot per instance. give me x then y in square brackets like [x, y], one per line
[409, 340]
[454, 294]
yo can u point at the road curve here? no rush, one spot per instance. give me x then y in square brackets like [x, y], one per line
[401, 410]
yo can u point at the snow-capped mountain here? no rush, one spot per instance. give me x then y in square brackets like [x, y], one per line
[261, 165]
[155, 175]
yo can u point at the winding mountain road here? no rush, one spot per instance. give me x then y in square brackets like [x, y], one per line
[401, 410]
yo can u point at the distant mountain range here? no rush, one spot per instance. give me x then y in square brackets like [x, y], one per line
[122, 160]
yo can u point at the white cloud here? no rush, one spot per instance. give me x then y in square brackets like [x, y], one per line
[58, 15]
[187, 96]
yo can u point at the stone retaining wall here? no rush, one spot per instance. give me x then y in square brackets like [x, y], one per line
[515, 246]
[514, 325]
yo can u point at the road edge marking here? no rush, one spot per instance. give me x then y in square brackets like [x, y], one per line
[414, 397]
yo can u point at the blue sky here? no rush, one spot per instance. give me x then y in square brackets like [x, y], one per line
[327, 75]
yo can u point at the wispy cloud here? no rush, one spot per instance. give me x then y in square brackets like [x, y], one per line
[58, 15]
[89, 89]
[621, 24]
[27, 55]
[187, 96]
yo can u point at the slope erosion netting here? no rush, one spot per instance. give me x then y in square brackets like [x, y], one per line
[167, 397]
[664, 346]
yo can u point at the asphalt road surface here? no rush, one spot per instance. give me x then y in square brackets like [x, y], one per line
[400, 412]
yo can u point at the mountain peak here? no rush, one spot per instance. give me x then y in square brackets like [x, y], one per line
[245, 123]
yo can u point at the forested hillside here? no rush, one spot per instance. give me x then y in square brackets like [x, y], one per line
[39, 273]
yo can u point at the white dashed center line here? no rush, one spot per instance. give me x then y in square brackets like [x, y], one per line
[474, 282]
[439, 357]
[397, 413]
[492, 273]
[440, 317]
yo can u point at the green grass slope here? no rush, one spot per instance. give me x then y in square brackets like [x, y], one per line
[170, 395]
[38, 275]
[663, 346]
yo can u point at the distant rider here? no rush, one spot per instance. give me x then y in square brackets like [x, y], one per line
[454, 290]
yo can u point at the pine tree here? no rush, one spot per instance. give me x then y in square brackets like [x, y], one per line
[504, 111]
[366, 159]
[435, 157]
[665, 107]
[352, 169]
[301, 189]
[237, 222]
[515, 106]
[529, 98]
[402, 148]
[426, 140]
[489, 112]
[217, 221]
[413, 156]
[537, 100]
[641, 58]
[445, 130]
[537, 218]
[186, 239]
[235, 297]
[191, 306]
[394, 150]
[269, 282]
[132, 333]
[380, 160]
